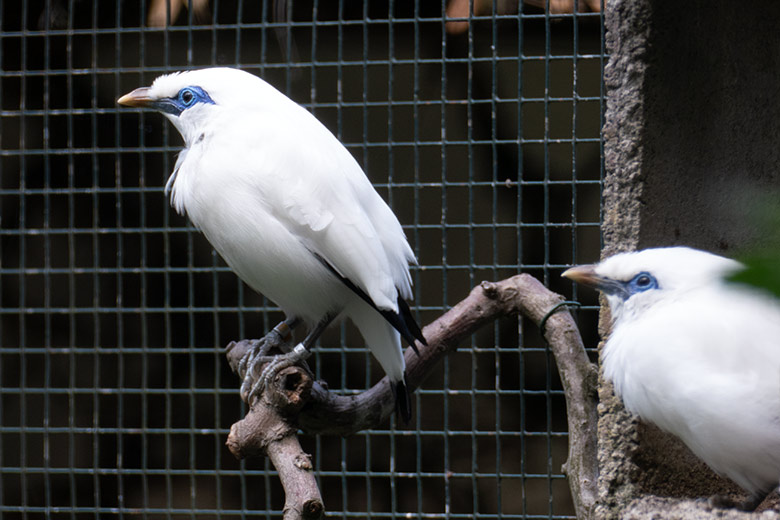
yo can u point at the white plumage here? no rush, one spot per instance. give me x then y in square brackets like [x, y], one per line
[286, 205]
[696, 355]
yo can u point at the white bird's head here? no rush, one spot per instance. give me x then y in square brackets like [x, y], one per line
[633, 282]
[192, 99]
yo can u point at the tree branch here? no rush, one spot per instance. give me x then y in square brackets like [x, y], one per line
[268, 429]
[323, 412]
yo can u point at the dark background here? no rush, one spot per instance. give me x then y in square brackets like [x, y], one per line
[115, 396]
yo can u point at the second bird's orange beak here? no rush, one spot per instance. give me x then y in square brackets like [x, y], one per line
[584, 274]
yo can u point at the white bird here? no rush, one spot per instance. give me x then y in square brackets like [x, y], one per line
[289, 209]
[697, 355]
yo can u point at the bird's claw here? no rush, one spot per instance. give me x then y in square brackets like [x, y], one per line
[245, 364]
[248, 367]
[727, 502]
[256, 356]
[252, 387]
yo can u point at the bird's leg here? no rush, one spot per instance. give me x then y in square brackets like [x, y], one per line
[277, 363]
[754, 500]
[278, 338]
[749, 505]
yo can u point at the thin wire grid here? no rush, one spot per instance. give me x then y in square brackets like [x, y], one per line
[114, 395]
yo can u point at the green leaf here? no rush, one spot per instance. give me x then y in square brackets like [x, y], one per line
[761, 271]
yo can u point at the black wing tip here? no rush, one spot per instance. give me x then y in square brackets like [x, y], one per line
[411, 332]
[402, 321]
[403, 402]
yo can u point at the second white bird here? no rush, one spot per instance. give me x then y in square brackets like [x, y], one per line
[696, 355]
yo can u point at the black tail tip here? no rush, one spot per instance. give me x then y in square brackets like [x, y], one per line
[403, 403]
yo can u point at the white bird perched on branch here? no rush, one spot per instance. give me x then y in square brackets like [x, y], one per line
[697, 355]
[290, 211]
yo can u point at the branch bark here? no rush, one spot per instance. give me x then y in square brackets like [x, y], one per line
[269, 429]
[319, 411]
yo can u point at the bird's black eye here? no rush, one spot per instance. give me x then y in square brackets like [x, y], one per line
[643, 282]
[187, 97]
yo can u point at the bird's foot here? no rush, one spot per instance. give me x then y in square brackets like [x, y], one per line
[259, 354]
[273, 365]
[729, 502]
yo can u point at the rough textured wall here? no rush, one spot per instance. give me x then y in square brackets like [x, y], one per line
[712, 120]
[691, 141]
[624, 77]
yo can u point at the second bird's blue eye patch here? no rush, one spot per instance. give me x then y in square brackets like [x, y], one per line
[186, 98]
[642, 282]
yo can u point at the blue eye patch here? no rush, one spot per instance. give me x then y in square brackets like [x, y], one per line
[186, 98]
[642, 282]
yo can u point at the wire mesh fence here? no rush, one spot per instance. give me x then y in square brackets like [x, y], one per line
[115, 398]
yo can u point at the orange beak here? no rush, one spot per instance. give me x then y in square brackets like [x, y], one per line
[137, 98]
[584, 274]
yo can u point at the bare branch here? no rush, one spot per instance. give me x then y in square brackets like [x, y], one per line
[522, 294]
[268, 429]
